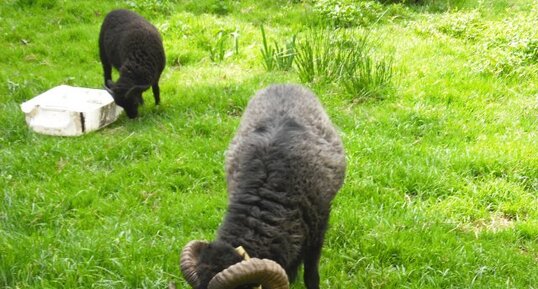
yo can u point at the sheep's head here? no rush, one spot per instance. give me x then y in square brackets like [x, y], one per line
[218, 266]
[128, 97]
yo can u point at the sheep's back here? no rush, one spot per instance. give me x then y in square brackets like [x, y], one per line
[284, 166]
[127, 37]
[264, 213]
[323, 150]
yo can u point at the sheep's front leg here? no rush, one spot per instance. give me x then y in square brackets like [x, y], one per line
[292, 269]
[156, 93]
[107, 69]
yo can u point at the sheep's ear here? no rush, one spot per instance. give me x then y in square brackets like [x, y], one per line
[137, 89]
[141, 88]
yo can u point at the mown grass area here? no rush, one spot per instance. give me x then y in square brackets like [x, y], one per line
[442, 183]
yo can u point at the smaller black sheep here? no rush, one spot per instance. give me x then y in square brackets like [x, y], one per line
[133, 46]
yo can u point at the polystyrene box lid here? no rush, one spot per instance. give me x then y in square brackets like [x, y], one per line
[70, 111]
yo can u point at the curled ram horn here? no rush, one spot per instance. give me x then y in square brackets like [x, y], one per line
[189, 259]
[264, 272]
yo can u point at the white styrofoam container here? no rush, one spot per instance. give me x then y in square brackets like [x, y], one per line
[70, 111]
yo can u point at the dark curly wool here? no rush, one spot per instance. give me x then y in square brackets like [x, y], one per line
[284, 166]
[215, 256]
[133, 46]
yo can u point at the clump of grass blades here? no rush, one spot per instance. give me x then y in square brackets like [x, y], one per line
[319, 58]
[349, 13]
[343, 58]
[218, 50]
[276, 57]
[366, 78]
[156, 7]
[45, 4]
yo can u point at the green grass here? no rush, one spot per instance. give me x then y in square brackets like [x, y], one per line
[442, 184]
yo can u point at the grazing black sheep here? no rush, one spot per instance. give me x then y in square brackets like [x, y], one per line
[284, 166]
[133, 46]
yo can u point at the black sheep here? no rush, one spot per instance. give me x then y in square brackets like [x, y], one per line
[284, 167]
[133, 46]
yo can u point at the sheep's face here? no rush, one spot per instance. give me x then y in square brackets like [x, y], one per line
[131, 103]
[213, 259]
[129, 98]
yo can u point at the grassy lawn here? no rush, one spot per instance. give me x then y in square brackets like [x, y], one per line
[442, 183]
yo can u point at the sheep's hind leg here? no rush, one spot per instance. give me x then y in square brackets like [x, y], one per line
[311, 265]
[156, 93]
